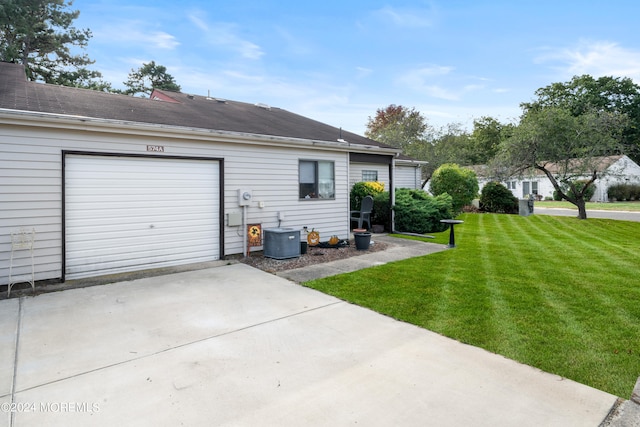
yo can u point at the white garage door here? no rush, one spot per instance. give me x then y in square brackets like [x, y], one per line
[127, 214]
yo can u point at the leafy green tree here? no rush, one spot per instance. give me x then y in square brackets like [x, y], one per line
[461, 184]
[39, 34]
[398, 126]
[484, 142]
[148, 77]
[585, 94]
[564, 147]
[449, 145]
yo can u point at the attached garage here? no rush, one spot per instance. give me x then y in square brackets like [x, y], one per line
[124, 213]
[110, 183]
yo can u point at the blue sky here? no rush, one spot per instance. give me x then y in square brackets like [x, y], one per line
[339, 61]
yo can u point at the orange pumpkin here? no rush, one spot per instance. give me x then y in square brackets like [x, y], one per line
[334, 240]
[313, 238]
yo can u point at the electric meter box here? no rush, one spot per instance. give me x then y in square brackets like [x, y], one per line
[244, 197]
[281, 243]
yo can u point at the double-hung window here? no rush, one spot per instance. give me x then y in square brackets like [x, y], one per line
[316, 179]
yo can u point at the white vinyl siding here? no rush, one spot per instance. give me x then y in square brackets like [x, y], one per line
[407, 177]
[356, 170]
[134, 213]
[31, 190]
[30, 197]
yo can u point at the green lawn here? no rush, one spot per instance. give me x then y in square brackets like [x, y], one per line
[557, 293]
[617, 206]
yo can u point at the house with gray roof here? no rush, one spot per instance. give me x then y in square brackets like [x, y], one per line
[612, 170]
[111, 183]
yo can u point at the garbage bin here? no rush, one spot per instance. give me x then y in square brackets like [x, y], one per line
[525, 206]
[363, 240]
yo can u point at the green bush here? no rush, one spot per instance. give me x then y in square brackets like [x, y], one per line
[362, 189]
[623, 192]
[418, 212]
[497, 198]
[381, 208]
[461, 184]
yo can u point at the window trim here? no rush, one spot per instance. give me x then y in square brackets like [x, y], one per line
[369, 171]
[316, 183]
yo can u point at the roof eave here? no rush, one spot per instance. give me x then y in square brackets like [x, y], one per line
[64, 121]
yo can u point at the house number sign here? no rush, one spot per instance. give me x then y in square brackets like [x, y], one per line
[157, 148]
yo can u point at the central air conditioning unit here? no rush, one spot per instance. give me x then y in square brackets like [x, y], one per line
[281, 243]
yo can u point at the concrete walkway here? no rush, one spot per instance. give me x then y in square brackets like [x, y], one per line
[399, 249]
[235, 346]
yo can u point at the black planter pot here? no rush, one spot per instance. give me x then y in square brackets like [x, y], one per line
[362, 241]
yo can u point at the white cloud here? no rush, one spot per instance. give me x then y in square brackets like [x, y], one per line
[293, 43]
[594, 58]
[405, 17]
[225, 35]
[133, 33]
[423, 80]
[163, 40]
[193, 17]
[362, 72]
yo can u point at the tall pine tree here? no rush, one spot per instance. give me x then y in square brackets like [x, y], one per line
[40, 35]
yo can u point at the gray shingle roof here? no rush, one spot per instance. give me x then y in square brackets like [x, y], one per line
[17, 93]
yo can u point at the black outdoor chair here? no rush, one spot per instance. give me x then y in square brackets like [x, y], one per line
[364, 214]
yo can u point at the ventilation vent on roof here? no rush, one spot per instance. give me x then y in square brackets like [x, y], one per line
[263, 106]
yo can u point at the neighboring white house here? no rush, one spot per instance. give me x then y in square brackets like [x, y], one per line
[113, 183]
[612, 170]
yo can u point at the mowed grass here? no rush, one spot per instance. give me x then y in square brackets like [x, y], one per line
[557, 293]
[617, 206]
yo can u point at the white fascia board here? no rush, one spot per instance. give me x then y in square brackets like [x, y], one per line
[62, 121]
[405, 162]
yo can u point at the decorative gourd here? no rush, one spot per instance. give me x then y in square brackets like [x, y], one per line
[334, 240]
[313, 238]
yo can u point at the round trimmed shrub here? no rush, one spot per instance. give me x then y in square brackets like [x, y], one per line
[497, 198]
[461, 184]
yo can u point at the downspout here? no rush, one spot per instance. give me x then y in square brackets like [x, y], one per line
[348, 194]
[392, 193]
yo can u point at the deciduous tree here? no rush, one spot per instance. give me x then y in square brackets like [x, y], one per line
[565, 147]
[398, 126]
[585, 94]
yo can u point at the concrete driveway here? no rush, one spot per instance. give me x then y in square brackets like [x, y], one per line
[235, 346]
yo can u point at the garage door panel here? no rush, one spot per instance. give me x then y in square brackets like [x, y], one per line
[141, 220]
[126, 214]
[135, 242]
[100, 258]
[133, 264]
